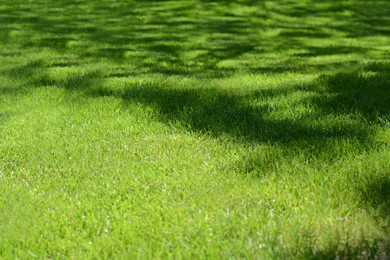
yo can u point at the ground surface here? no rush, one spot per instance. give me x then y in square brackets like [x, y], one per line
[194, 129]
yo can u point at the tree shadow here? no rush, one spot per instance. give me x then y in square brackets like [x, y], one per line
[332, 50]
[224, 114]
[245, 117]
[153, 37]
[364, 92]
[157, 36]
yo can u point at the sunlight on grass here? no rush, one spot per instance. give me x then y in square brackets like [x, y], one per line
[194, 129]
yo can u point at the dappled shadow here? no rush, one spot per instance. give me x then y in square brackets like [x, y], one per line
[214, 39]
[159, 36]
[364, 92]
[241, 117]
[219, 112]
[331, 50]
[355, 19]
[246, 117]
[216, 112]
[349, 98]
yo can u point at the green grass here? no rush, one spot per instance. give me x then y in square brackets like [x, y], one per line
[194, 129]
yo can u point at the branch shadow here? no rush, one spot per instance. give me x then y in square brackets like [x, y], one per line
[155, 36]
[218, 113]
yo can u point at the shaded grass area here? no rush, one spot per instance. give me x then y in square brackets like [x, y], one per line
[194, 129]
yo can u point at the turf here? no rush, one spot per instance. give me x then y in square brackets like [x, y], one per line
[194, 129]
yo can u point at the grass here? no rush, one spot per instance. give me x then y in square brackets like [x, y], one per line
[194, 129]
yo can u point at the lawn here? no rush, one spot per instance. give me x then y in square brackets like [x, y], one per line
[194, 129]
